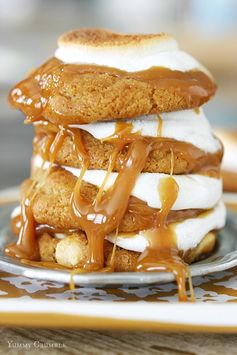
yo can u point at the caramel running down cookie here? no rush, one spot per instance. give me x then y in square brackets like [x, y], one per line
[52, 207]
[186, 157]
[125, 167]
[66, 90]
[72, 251]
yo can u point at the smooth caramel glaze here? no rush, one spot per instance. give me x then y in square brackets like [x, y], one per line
[33, 94]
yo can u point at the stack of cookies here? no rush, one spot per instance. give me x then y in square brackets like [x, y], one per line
[125, 168]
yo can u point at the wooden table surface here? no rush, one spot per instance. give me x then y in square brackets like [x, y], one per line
[28, 341]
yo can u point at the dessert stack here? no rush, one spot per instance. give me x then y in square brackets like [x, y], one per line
[125, 167]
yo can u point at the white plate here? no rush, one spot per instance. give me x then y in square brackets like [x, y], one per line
[34, 302]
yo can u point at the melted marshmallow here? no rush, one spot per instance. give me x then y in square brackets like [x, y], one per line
[185, 126]
[189, 232]
[195, 191]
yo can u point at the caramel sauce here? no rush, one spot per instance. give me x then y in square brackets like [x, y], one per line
[100, 219]
[159, 126]
[123, 135]
[26, 246]
[197, 160]
[144, 215]
[110, 169]
[32, 94]
[162, 253]
[104, 215]
[16, 224]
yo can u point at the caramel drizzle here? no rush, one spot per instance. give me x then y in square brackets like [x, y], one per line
[144, 215]
[197, 160]
[101, 218]
[26, 246]
[33, 94]
[106, 212]
[159, 126]
[110, 169]
[161, 253]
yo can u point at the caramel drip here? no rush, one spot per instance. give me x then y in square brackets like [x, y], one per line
[197, 160]
[144, 215]
[99, 219]
[55, 139]
[28, 96]
[162, 253]
[110, 169]
[16, 224]
[32, 94]
[56, 144]
[26, 246]
[171, 161]
[123, 135]
[111, 262]
[104, 215]
[159, 126]
[45, 148]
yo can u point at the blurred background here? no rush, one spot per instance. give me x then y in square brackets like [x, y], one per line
[29, 30]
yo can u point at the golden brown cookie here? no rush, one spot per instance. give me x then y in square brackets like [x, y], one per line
[186, 157]
[90, 95]
[69, 93]
[73, 250]
[51, 205]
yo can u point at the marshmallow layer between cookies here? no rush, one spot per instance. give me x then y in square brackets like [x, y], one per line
[195, 191]
[189, 232]
[186, 126]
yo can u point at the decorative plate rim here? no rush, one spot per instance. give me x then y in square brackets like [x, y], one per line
[155, 316]
[207, 266]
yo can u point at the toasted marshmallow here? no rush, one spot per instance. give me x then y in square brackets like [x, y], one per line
[186, 126]
[124, 51]
[195, 191]
[189, 232]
